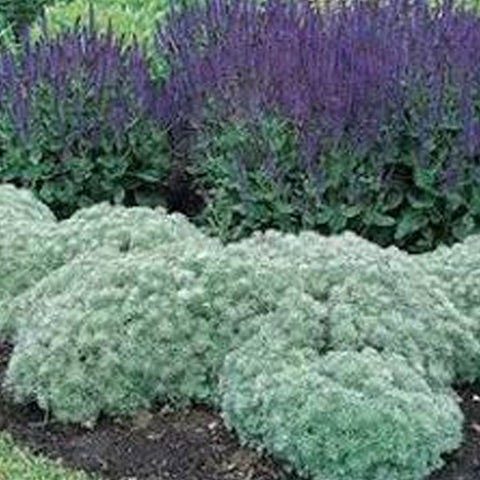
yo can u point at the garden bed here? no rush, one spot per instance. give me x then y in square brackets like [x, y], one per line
[259, 286]
[189, 445]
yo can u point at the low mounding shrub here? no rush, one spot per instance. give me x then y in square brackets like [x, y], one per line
[76, 124]
[458, 268]
[19, 204]
[362, 117]
[127, 330]
[24, 222]
[346, 415]
[331, 353]
[32, 244]
[375, 298]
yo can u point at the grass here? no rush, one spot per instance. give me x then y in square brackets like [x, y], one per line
[20, 464]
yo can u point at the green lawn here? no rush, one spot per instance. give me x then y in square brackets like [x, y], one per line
[18, 464]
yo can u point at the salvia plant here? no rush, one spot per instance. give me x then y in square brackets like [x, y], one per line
[365, 113]
[76, 122]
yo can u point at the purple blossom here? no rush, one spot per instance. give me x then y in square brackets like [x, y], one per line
[83, 79]
[362, 76]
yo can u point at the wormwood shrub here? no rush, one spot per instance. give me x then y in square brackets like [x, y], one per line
[380, 298]
[458, 268]
[342, 416]
[24, 223]
[171, 303]
[76, 122]
[20, 204]
[32, 244]
[362, 117]
[139, 336]
[330, 352]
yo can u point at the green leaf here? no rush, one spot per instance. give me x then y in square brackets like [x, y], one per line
[392, 199]
[425, 178]
[474, 203]
[351, 211]
[148, 176]
[411, 222]
[454, 201]
[324, 216]
[374, 218]
[420, 200]
[337, 222]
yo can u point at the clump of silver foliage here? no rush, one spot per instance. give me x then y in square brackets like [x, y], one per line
[331, 353]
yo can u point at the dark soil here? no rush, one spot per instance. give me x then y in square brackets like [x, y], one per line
[192, 445]
[464, 464]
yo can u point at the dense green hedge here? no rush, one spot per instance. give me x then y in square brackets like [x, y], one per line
[20, 13]
[302, 341]
[128, 17]
[134, 20]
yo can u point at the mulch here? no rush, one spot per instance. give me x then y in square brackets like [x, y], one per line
[191, 445]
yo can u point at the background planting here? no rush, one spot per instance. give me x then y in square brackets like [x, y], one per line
[76, 124]
[377, 134]
[134, 20]
[19, 14]
[362, 117]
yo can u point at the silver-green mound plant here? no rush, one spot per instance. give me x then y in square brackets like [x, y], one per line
[379, 298]
[126, 331]
[347, 415]
[24, 223]
[18, 204]
[158, 322]
[33, 244]
[458, 268]
[333, 354]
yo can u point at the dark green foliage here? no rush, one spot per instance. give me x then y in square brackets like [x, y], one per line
[21, 13]
[252, 179]
[247, 174]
